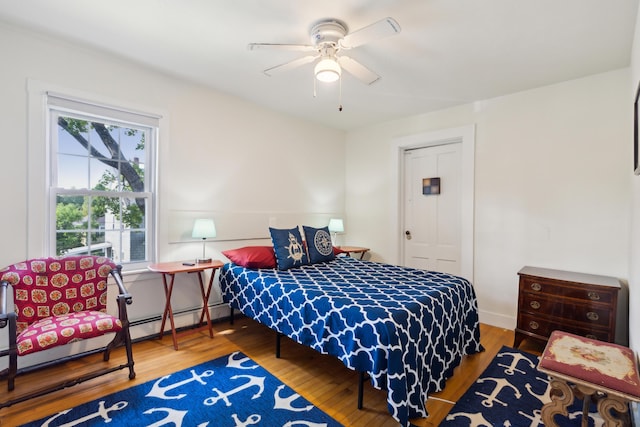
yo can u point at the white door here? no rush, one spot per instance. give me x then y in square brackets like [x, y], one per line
[432, 221]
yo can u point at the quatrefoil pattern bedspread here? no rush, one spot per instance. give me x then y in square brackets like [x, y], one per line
[407, 328]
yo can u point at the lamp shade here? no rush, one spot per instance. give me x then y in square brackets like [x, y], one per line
[336, 225]
[203, 229]
[328, 70]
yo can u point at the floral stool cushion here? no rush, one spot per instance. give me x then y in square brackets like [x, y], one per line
[58, 330]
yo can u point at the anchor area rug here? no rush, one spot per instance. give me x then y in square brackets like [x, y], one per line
[230, 391]
[511, 392]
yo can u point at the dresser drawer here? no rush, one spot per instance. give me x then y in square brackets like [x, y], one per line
[549, 306]
[583, 292]
[580, 303]
[543, 327]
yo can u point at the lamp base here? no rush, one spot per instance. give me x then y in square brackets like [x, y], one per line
[203, 260]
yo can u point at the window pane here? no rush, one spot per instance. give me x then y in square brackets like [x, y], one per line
[71, 213]
[133, 247]
[70, 242]
[132, 143]
[134, 235]
[72, 172]
[99, 245]
[103, 176]
[124, 222]
[133, 212]
[112, 237]
[96, 237]
[97, 132]
[133, 176]
[105, 213]
[67, 128]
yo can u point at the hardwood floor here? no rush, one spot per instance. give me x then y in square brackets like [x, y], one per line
[321, 379]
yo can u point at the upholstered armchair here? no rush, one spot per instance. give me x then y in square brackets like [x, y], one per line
[57, 301]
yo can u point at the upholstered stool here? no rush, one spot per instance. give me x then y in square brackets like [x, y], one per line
[592, 370]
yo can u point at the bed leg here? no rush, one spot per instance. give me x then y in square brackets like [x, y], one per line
[231, 316]
[278, 336]
[361, 381]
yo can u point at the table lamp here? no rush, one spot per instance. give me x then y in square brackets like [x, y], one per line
[336, 226]
[203, 229]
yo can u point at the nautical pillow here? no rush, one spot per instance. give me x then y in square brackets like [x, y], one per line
[252, 256]
[288, 247]
[318, 244]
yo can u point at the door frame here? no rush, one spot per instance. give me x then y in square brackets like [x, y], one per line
[465, 135]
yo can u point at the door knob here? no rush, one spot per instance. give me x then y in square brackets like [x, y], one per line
[407, 234]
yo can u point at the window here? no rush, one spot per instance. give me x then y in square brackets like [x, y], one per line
[101, 182]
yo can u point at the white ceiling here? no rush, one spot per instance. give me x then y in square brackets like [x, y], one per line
[449, 52]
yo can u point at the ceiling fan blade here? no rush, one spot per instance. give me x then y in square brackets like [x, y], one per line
[358, 70]
[383, 28]
[278, 46]
[289, 65]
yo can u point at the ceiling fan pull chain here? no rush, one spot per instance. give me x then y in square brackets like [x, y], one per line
[340, 94]
[314, 87]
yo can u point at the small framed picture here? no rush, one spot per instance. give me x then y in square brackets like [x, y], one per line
[430, 186]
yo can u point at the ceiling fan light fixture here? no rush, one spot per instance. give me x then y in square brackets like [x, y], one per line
[328, 70]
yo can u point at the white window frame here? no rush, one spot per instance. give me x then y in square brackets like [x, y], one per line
[41, 223]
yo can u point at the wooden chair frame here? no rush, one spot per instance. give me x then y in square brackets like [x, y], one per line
[123, 337]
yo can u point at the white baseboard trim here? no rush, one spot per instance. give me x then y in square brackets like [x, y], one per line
[147, 328]
[496, 319]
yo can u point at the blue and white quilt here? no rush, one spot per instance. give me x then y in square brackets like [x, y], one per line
[407, 328]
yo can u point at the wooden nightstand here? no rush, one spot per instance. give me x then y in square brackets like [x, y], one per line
[170, 269]
[354, 250]
[583, 304]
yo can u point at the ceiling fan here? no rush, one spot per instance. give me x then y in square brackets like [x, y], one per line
[329, 37]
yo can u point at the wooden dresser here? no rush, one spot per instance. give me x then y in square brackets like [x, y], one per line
[583, 304]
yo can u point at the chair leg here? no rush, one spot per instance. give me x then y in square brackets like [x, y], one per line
[13, 368]
[123, 337]
[128, 347]
[115, 342]
[106, 354]
[13, 352]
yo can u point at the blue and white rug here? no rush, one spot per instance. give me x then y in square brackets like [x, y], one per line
[511, 392]
[229, 391]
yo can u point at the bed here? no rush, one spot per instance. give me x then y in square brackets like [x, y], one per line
[406, 328]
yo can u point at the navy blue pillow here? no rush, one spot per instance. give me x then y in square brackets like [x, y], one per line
[318, 244]
[289, 248]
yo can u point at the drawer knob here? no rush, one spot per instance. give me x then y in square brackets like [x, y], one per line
[536, 286]
[534, 325]
[535, 305]
[591, 336]
[592, 315]
[593, 296]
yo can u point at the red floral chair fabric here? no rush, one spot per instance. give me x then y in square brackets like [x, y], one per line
[58, 301]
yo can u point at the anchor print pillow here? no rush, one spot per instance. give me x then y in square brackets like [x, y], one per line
[289, 249]
[318, 244]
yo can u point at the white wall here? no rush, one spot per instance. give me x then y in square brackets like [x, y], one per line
[218, 156]
[552, 184]
[634, 182]
[634, 252]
